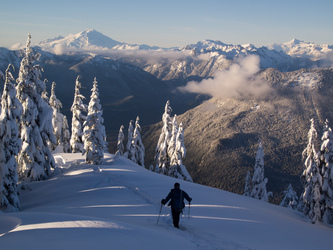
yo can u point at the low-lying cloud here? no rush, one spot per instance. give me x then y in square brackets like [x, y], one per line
[149, 56]
[239, 81]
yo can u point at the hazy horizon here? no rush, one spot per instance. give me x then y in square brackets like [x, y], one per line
[171, 24]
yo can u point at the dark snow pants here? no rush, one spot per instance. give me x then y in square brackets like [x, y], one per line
[175, 217]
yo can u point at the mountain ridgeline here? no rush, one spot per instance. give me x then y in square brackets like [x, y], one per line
[221, 134]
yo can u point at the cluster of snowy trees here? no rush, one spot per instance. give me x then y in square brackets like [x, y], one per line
[135, 150]
[255, 187]
[316, 201]
[170, 149]
[31, 126]
[88, 132]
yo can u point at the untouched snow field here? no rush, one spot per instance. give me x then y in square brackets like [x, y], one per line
[116, 206]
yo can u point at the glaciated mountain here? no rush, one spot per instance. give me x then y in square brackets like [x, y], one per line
[85, 39]
[90, 40]
[297, 48]
[201, 60]
[204, 58]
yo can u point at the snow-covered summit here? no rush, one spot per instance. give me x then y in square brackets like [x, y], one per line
[90, 40]
[208, 46]
[298, 48]
[85, 38]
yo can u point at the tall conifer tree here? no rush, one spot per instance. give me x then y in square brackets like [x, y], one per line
[35, 159]
[311, 179]
[326, 170]
[177, 168]
[78, 110]
[120, 142]
[130, 146]
[10, 143]
[94, 130]
[60, 128]
[162, 158]
[259, 181]
[139, 148]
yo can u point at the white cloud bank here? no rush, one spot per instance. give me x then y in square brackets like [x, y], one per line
[239, 81]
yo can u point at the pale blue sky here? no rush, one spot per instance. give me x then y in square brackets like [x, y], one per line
[169, 23]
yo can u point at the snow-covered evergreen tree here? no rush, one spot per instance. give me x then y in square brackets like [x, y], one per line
[139, 148]
[59, 122]
[173, 138]
[10, 143]
[78, 110]
[290, 199]
[247, 187]
[94, 130]
[311, 179]
[57, 118]
[259, 181]
[162, 158]
[66, 136]
[177, 168]
[44, 93]
[120, 142]
[326, 169]
[35, 159]
[130, 146]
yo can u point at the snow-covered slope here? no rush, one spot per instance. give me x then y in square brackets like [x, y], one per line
[116, 206]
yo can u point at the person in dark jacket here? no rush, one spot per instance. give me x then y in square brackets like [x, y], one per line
[177, 202]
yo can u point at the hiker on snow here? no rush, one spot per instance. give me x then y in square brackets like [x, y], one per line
[177, 202]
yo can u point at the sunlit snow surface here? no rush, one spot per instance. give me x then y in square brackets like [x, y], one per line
[116, 206]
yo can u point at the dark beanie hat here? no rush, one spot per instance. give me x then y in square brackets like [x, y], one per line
[177, 185]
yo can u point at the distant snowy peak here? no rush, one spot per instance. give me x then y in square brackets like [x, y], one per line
[125, 46]
[295, 48]
[87, 38]
[211, 45]
[90, 40]
[50, 40]
[298, 48]
[218, 48]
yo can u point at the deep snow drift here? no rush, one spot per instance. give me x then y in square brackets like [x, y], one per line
[116, 206]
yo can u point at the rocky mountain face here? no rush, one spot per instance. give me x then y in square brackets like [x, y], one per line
[221, 136]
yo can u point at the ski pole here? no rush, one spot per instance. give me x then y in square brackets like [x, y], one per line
[159, 214]
[189, 206]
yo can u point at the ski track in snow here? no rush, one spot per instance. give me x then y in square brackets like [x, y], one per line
[205, 242]
[202, 241]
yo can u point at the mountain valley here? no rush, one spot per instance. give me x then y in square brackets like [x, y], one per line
[221, 135]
